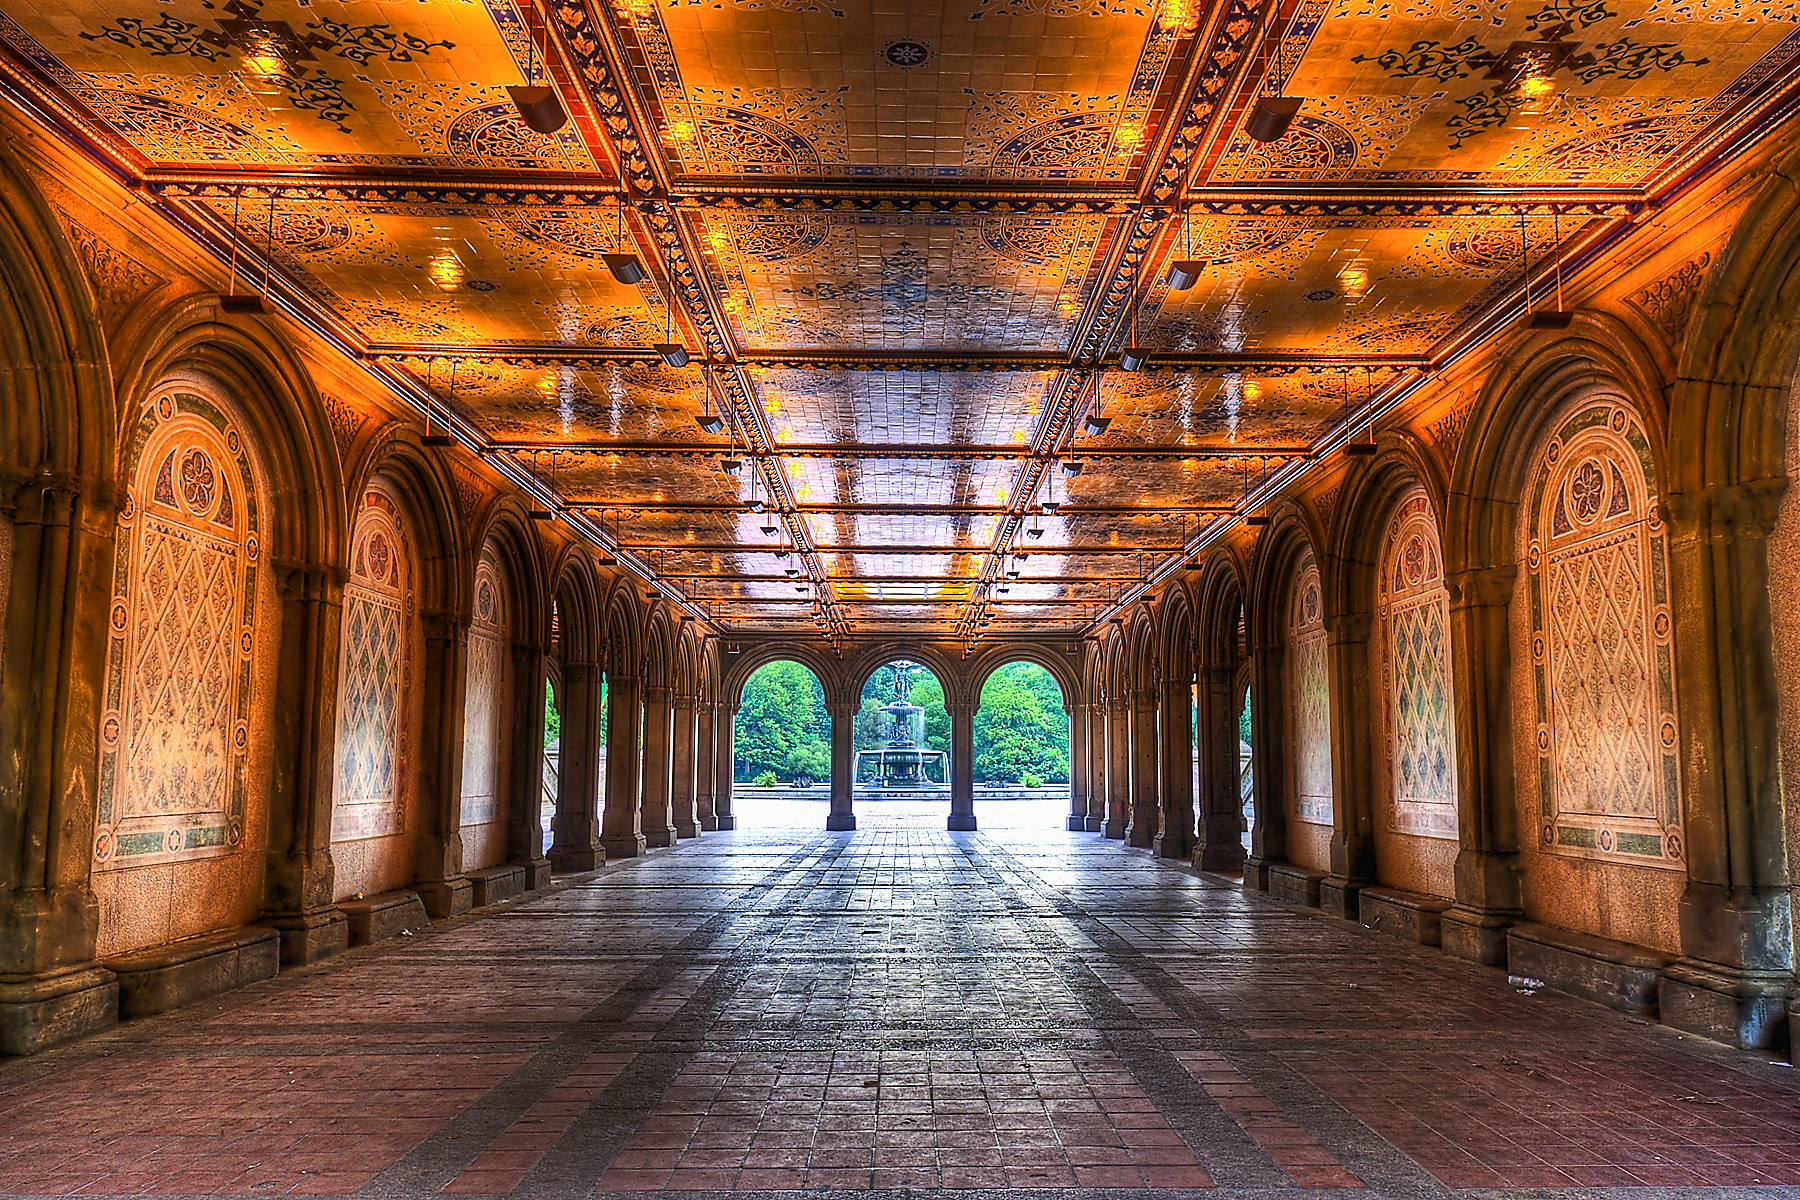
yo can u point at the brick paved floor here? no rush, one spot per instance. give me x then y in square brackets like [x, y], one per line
[899, 1008]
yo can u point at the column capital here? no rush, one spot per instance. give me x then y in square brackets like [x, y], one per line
[1482, 587]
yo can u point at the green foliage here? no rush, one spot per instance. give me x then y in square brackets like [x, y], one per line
[765, 779]
[1244, 721]
[552, 718]
[783, 725]
[1021, 727]
[605, 709]
[883, 687]
[1031, 781]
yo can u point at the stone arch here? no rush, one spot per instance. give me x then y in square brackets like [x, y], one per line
[1396, 714]
[991, 658]
[857, 671]
[184, 751]
[755, 655]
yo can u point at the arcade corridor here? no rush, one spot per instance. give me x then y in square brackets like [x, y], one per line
[773, 1009]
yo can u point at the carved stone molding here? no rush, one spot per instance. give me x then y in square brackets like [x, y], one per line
[346, 422]
[1668, 302]
[1325, 505]
[472, 491]
[1447, 432]
[118, 279]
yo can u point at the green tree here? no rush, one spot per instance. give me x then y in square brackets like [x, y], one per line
[782, 715]
[552, 718]
[1021, 728]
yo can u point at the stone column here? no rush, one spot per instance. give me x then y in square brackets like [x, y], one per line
[1093, 756]
[1145, 815]
[575, 830]
[437, 835]
[1488, 898]
[1176, 757]
[659, 720]
[1352, 780]
[1220, 846]
[1734, 978]
[706, 758]
[51, 693]
[1078, 765]
[725, 766]
[525, 766]
[962, 766]
[843, 767]
[1268, 694]
[1118, 767]
[681, 762]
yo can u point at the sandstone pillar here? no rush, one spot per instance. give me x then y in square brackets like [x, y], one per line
[1175, 837]
[621, 828]
[575, 830]
[725, 766]
[1118, 767]
[1144, 818]
[1268, 840]
[1220, 845]
[525, 767]
[1078, 764]
[962, 766]
[682, 763]
[843, 767]
[437, 834]
[1352, 780]
[706, 759]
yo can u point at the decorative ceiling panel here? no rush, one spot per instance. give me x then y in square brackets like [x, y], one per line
[975, 89]
[942, 408]
[1285, 407]
[636, 402]
[297, 83]
[634, 479]
[901, 482]
[883, 530]
[1514, 91]
[845, 281]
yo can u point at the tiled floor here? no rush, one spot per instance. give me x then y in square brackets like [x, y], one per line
[899, 1008]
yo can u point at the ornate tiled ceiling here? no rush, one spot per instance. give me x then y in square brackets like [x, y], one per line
[904, 244]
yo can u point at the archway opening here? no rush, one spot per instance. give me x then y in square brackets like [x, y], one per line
[1021, 740]
[781, 761]
[1246, 773]
[900, 748]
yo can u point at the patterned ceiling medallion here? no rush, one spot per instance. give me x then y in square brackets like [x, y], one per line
[906, 54]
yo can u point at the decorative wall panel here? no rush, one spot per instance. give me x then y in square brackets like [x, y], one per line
[1413, 610]
[181, 642]
[1602, 657]
[1309, 700]
[376, 678]
[485, 701]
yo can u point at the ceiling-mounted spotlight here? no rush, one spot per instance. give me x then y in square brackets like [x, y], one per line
[782, 554]
[1133, 358]
[793, 572]
[770, 530]
[1184, 273]
[538, 107]
[731, 466]
[653, 593]
[675, 355]
[708, 420]
[1034, 533]
[1050, 506]
[628, 269]
[755, 505]
[1257, 519]
[605, 560]
[1071, 467]
[1270, 119]
[1096, 424]
[242, 303]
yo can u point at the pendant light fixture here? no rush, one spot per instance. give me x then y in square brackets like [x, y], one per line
[672, 352]
[441, 437]
[1270, 118]
[538, 106]
[708, 420]
[1185, 271]
[536, 512]
[1353, 447]
[626, 267]
[1544, 318]
[1133, 356]
[249, 303]
[1095, 423]
[1260, 515]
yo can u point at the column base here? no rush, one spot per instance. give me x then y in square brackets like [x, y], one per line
[687, 829]
[657, 836]
[1092, 824]
[537, 874]
[446, 897]
[41, 1011]
[312, 937]
[1256, 873]
[709, 823]
[578, 858]
[840, 822]
[1338, 897]
[1164, 846]
[623, 845]
[961, 823]
[1746, 1009]
[726, 821]
[1078, 824]
[1476, 935]
[1141, 839]
[1113, 829]
[1224, 858]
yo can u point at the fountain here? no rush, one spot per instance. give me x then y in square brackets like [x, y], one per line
[902, 762]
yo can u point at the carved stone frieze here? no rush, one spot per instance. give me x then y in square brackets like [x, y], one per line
[1447, 432]
[1325, 505]
[472, 491]
[118, 279]
[346, 422]
[1669, 301]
